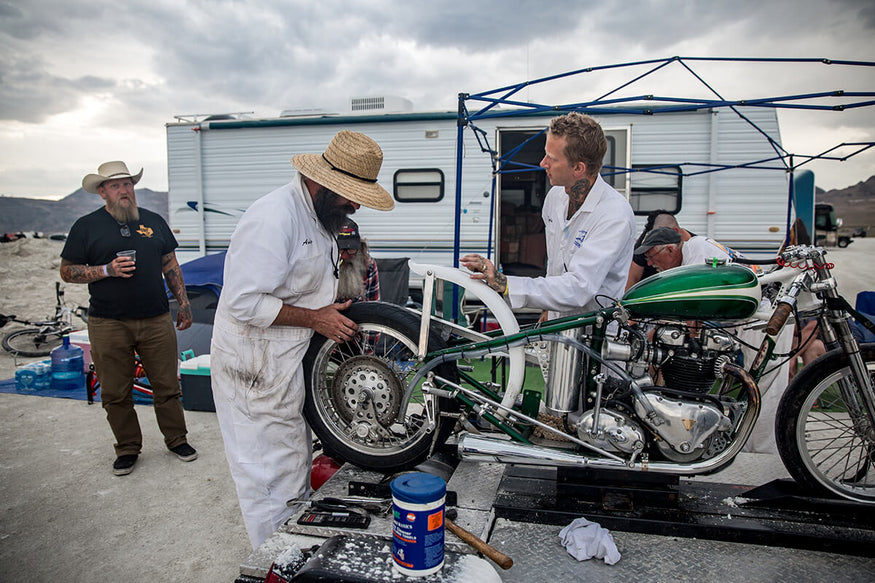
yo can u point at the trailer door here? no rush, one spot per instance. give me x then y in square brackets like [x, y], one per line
[520, 190]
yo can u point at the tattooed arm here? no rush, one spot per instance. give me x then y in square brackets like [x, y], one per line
[173, 276]
[75, 273]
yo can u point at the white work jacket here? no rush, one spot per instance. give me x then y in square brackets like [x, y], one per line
[588, 255]
[279, 254]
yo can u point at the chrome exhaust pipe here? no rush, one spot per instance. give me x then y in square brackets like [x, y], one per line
[493, 450]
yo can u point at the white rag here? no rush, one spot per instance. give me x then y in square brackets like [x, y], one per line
[584, 540]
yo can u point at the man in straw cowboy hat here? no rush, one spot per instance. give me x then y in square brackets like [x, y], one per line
[126, 254]
[280, 283]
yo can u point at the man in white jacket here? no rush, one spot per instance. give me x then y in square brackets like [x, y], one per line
[589, 226]
[280, 281]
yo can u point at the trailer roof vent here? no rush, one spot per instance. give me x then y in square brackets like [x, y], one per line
[306, 112]
[380, 104]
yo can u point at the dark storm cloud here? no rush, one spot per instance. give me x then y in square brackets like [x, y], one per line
[30, 19]
[228, 55]
[481, 24]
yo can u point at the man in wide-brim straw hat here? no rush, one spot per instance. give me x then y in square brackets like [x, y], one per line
[128, 312]
[279, 284]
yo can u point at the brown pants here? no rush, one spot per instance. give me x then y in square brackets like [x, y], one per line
[114, 344]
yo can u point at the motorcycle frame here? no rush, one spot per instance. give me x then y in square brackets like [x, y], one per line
[804, 280]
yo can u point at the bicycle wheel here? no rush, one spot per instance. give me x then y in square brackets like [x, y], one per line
[32, 342]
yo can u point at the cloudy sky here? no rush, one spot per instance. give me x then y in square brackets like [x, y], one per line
[87, 81]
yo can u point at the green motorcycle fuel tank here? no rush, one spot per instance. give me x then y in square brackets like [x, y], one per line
[696, 292]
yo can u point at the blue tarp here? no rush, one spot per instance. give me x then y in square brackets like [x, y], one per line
[8, 386]
[205, 271]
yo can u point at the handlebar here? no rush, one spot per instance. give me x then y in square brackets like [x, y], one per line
[748, 261]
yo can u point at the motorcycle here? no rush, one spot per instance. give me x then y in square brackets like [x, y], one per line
[652, 382]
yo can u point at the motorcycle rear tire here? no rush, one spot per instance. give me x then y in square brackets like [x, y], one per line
[32, 342]
[824, 446]
[379, 359]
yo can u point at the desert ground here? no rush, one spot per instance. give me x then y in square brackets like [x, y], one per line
[65, 517]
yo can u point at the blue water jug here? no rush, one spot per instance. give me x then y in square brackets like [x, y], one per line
[68, 367]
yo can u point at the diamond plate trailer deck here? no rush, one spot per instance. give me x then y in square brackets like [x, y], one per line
[721, 526]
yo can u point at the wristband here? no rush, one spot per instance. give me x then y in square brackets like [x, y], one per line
[105, 271]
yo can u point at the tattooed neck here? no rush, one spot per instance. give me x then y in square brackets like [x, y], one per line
[577, 194]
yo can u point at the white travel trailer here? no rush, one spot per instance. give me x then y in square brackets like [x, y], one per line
[218, 165]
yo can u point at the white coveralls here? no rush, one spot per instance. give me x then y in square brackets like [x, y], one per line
[588, 255]
[773, 384]
[279, 254]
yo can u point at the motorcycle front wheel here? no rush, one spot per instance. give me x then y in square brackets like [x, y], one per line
[824, 434]
[355, 389]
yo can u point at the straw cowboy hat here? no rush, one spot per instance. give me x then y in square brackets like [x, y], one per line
[349, 167]
[109, 171]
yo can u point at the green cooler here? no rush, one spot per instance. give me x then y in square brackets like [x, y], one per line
[197, 394]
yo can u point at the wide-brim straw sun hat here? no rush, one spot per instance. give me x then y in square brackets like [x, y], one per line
[349, 167]
[109, 171]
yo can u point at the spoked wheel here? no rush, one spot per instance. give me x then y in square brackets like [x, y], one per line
[825, 436]
[32, 342]
[355, 391]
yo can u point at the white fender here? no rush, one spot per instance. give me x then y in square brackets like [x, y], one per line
[500, 310]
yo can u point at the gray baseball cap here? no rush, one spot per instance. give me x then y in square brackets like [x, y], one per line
[656, 237]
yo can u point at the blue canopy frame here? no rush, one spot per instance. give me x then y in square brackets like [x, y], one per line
[649, 104]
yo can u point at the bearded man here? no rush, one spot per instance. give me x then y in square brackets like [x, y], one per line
[280, 282]
[126, 254]
[359, 279]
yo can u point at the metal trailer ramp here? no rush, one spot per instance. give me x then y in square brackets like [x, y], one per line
[689, 530]
[778, 513]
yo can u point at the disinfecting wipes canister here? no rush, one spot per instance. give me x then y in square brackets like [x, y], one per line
[418, 523]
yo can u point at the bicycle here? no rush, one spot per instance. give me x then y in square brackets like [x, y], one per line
[43, 335]
[141, 387]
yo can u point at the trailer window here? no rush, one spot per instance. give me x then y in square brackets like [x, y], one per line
[655, 187]
[419, 185]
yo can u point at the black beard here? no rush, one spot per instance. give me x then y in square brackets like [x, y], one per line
[330, 212]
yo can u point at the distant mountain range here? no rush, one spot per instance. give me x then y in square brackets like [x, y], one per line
[57, 216]
[855, 205]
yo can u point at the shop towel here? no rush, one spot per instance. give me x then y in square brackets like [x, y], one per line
[584, 540]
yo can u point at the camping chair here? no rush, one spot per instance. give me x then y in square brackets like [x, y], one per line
[394, 275]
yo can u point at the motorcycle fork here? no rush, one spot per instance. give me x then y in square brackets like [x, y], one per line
[838, 332]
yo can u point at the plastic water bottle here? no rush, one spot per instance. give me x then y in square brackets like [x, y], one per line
[68, 367]
[44, 374]
[25, 378]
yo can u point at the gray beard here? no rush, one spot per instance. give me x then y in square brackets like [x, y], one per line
[350, 280]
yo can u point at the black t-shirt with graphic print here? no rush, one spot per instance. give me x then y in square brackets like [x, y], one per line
[96, 238]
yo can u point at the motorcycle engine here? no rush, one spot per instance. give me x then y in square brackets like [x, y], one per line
[693, 364]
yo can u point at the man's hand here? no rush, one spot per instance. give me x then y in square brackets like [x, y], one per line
[485, 271]
[121, 267]
[329, 322]
[184, 317]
